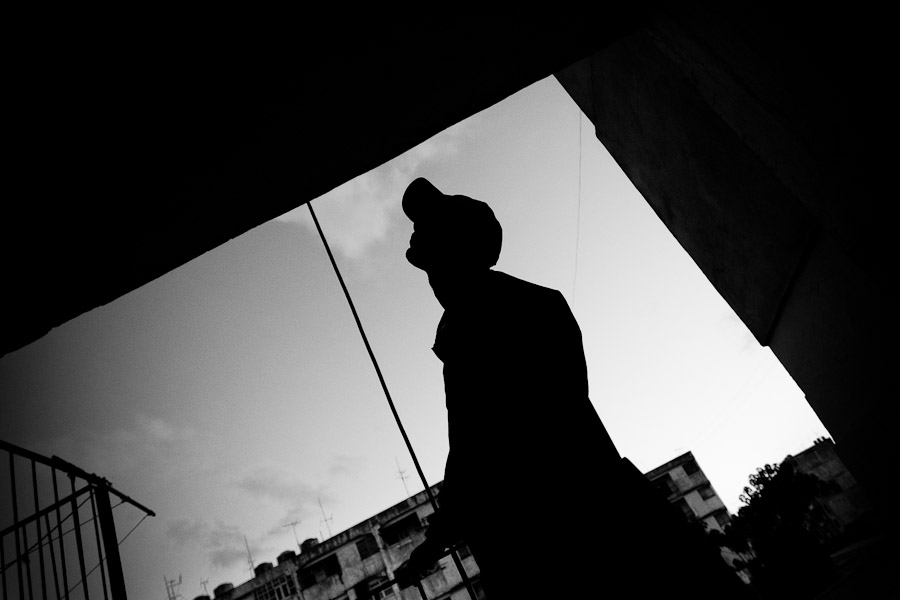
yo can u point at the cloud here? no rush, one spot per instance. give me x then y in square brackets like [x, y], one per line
[223, 558]
[295, 499]
[282, 492]
[358, 213]
[345, 465]
[159, 432]
[269, 483]
[224, 545]
[149, 445]
[294, 515]
[185, 532]
[228, 546]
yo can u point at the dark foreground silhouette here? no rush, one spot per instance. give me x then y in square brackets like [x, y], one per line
[533, 483]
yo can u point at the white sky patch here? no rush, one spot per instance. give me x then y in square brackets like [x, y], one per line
[358, 213]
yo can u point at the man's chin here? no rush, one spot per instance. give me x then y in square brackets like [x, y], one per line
[415, 259]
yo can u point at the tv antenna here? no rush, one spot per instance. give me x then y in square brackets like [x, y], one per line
[203, 583]
[402, 476]
[249, 556]
[171, 584]
[326, 520]
[293, 526]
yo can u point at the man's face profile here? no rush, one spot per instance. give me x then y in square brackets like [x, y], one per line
[452, 235]
[429, 246]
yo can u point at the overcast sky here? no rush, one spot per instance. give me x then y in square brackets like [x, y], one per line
[233, 395]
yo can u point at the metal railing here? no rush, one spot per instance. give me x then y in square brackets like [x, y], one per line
[55, 535]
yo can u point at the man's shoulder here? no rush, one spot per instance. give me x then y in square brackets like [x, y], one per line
[525, 294]
[512, 284]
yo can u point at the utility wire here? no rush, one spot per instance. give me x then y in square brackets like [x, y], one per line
[103, 559]
[365, 339]
[40, 543]
[387, 394]
[731, 408]
[47, 538]
[578, 219]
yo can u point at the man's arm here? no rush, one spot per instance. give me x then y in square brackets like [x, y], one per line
[440, 535]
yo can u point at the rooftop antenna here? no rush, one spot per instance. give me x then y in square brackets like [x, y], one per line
[203, 583]
[171, 584]
[326, 520]
[293, 526]
[402, 476]
[249, 557]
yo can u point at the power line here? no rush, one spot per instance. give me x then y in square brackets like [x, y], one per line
[47, 538]
[103, 559]
[365, 339]
[731, 408]
[578, 219]
[387, 394]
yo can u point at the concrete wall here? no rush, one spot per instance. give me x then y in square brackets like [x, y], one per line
[747, 133]
[847, 504]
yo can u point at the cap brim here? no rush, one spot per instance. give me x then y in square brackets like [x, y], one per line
[421, 199]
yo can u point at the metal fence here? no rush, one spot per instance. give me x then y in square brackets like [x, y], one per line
[57, 530]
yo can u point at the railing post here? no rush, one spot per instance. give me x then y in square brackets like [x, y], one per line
[76, 521]
[110, 542]
[15, 508]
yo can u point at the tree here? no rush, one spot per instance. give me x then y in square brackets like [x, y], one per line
[783, 523]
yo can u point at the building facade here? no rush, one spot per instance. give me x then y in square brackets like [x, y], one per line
[848, 507]
[357, 563]
[683, 483]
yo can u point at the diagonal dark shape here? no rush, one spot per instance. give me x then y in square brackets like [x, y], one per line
[139, 148]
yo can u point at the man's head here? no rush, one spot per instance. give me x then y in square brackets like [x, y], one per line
[450, 232]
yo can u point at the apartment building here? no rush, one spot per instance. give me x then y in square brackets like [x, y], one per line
[357, 563]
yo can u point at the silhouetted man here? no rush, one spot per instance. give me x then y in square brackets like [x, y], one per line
[527, 449]
[533, 484]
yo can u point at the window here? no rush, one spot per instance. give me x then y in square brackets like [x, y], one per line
[367, 546]
[320, 571]
[383, 594]
[665, 485]
[331, 566]
[366, 589]
[706, 492]
[277, 589]
[400, 530]
[307, 579]
[464, 551]
[686, 508]
[691, 467]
